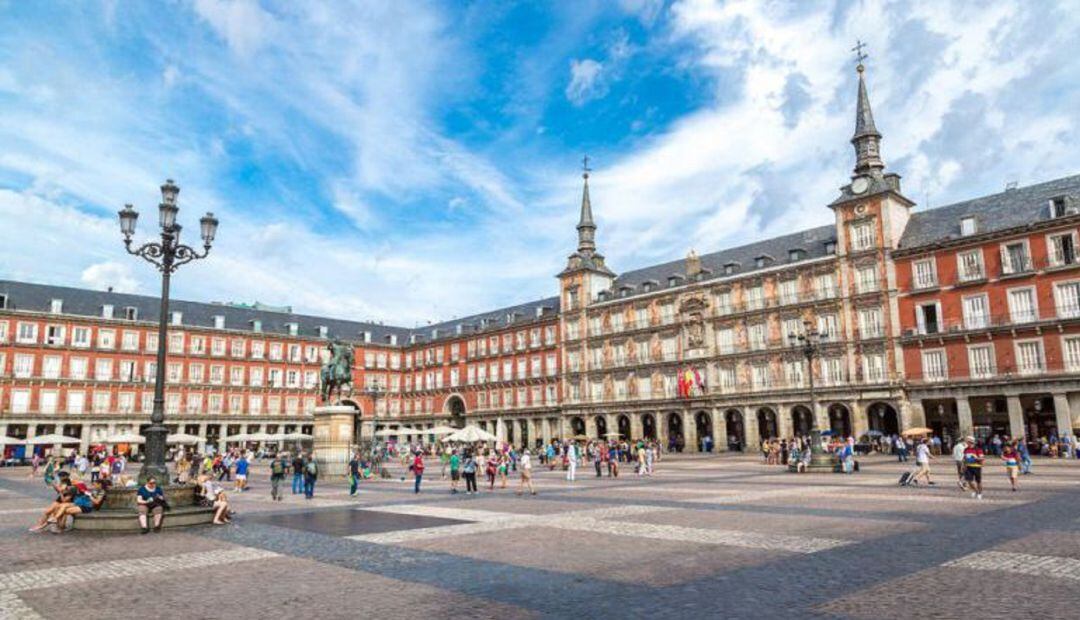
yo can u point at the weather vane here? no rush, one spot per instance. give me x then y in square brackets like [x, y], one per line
[585, 169]
[860, 55]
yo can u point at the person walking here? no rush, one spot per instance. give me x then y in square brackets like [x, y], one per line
[241, 465]
[922, 462]
[278, 467]
[572, 458]
[354, 473]
[469, 470]
[525, 467]
[1011, 459]
[311, 475]
[504, 466]
[1025, 456]
[454, 463]
[973, 464]
[598, 459]
[298, 473]
[958, 458]
[418, 470]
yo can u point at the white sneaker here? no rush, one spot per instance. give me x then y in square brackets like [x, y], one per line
[974, 495]
[979, 496]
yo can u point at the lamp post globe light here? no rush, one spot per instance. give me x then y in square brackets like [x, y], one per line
[167, 255]
[809, 342]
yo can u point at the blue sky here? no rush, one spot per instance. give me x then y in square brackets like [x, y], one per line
[413, 161]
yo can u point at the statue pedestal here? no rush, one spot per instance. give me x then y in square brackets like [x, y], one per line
[334, 439]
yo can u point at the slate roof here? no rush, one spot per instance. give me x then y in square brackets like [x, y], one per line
[811, 241]
[1008, 209]
[494, 319]
[86, 302]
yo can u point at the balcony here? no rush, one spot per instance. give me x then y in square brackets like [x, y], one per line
[1017, 266]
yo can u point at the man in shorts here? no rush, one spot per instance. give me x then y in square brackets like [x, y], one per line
[241, 473]
[922, 462]
[455, 470]
[973, 464]
[958, 458]
[526, 473]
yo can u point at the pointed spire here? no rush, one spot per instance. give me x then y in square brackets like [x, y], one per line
[586, 227]
[867, 140]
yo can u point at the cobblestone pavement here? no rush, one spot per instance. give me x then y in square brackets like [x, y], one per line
[709, 536]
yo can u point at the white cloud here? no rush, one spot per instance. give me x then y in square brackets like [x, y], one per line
[585, 81]
[110, 275]
[243, 24]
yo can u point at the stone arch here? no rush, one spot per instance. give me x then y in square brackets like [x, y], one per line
[839, 419]
[648, 426]
[883, 418]
[454, 407]
[703, 424]
[623, 423]
[577, 426]
[802, 420]
[601, 427]
[767, 423]
[675, 432]
[736, 429]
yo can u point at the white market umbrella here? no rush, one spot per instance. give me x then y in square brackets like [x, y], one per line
[183, 438]
[240, 437]
[441, 430]
[261, 437]
[11, 441]
[390, 432]
[295, 437]
[470, 434]
[46, 440]
[125, 438]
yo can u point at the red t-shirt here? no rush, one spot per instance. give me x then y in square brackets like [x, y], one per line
[418, 465]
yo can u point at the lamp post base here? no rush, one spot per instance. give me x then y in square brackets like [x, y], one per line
[154, 459]
[821, 462]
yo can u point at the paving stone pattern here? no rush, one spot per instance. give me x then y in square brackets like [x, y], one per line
[705, 537]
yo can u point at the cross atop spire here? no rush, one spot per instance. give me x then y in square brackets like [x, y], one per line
[586, 227]
[866, 139]
[860, 55]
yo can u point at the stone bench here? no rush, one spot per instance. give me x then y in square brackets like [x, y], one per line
[118, 512]
[128, 520]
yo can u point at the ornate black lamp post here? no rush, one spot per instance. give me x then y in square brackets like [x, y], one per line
[167, 255]
[809, 342]
[375, 392]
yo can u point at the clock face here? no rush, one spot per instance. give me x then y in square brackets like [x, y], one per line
[859, 185]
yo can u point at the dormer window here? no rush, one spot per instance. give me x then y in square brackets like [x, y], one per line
[602, 295]
[762, 261]
[796, 254]
[674, 280]
[3, 302]
[1057, 207]
[56, 306]
[730, 268]
[294, 328]
[106, 311]
[131, 313]
[322, 331]
[967, 226]
[219, 321]
[177, 318]
[830, 247]
[434, 334]
[256, 325]
[392, 338]
[458, 329]
[366, 336]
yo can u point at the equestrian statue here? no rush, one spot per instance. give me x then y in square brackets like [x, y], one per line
[336, 373]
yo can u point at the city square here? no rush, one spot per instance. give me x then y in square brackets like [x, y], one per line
[717, 536]
[648, 308]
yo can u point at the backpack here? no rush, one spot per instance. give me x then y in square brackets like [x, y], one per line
[311, 468]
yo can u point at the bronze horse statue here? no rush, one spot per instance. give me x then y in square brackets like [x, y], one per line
[336, 373]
